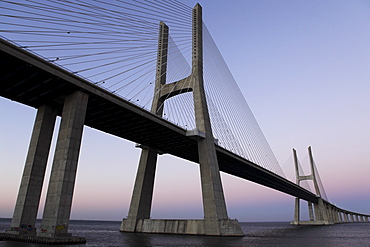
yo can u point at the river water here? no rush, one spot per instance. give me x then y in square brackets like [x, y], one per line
[258, 234]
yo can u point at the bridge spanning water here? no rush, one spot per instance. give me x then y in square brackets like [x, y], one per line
[54, 91]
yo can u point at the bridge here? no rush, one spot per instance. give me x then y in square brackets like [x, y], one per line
[33, 80]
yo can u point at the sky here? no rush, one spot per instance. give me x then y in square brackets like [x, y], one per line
[303, 67]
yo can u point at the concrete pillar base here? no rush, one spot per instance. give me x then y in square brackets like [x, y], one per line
[191, 227]
[42, 240]
[54, 235]
[22, 232]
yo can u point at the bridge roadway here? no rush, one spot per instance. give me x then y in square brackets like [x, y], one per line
[33, 81]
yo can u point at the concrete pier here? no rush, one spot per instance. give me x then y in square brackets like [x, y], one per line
[25, 212]
[62, 180]
[189, 227]
[42, 240]
[54, 227]
[142, 195]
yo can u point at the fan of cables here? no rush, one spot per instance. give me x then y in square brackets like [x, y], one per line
[114, 45]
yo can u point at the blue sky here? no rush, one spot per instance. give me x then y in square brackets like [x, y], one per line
[303, 67]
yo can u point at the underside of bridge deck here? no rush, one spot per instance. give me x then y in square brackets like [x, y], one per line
[30, 80]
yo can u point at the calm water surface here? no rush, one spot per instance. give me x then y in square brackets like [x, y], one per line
[258, 234]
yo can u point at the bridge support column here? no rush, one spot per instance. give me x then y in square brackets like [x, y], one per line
[323, 212]
[317, 214]
[338, 216]
[332, 212]
[25, 212]
[58, 203]
[328, 212]
[142, 195]
[310, 211]
[335, 215]
[296, 212]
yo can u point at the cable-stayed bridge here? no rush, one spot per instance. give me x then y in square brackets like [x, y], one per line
[148, 72]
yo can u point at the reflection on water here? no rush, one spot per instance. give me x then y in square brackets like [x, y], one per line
[258, 234]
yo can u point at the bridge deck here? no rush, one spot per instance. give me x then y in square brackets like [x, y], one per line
[30, 80]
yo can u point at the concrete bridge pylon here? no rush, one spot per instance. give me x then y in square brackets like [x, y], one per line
[319, 214]
[322, 212]
[216, 221]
